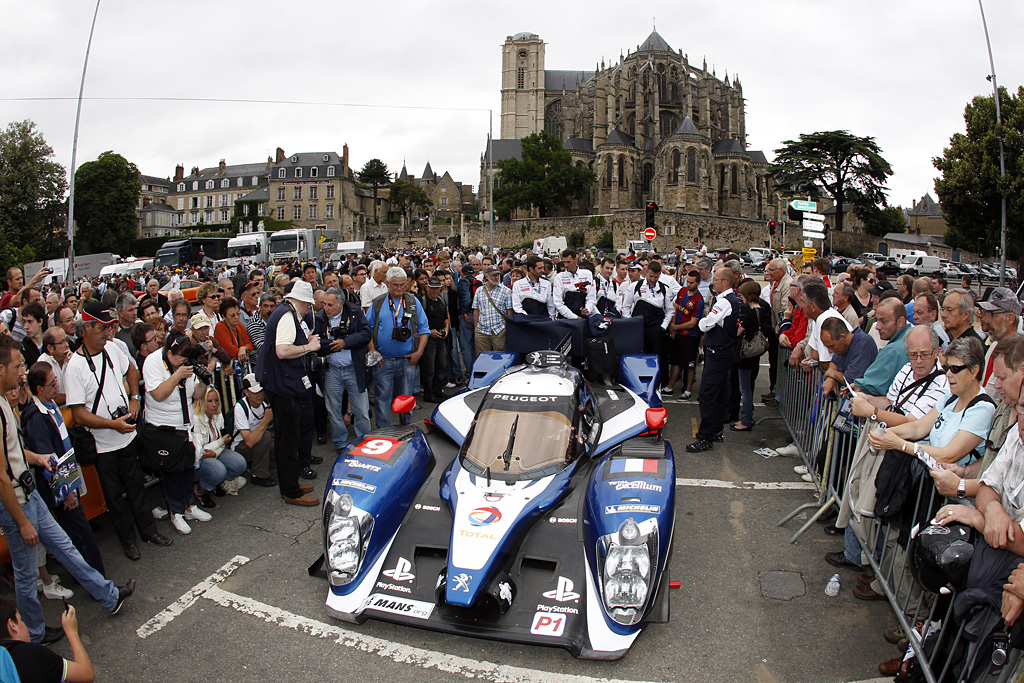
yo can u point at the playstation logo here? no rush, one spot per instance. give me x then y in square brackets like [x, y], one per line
[564, 592]
[401, 571]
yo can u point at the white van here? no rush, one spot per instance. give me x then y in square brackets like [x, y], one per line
[921, 265]
[550, 246]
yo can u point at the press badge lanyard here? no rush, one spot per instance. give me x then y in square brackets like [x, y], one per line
[396, 311]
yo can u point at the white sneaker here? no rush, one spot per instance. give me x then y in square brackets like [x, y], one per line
[450, 385]
[800, 469]
[789, 450]
[197, 514]
[40, 584]
[807, 478]
[55, 591]
[180, 525]
[159, 513]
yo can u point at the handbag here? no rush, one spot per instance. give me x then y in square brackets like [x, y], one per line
[754, 347]
[167, 450]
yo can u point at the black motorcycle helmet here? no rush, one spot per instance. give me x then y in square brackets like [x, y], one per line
[940, 556]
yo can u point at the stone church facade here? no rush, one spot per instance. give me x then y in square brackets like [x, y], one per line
[652, 126]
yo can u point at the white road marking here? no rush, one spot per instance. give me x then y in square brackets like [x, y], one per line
[403, 654]
[752, 485]
[188, 599]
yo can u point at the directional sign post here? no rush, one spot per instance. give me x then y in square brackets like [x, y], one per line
[800, 205]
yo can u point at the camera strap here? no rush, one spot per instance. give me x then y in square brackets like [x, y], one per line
[103, 374]
[7, 455]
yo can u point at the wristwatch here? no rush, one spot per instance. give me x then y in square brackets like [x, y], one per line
[961, 489]
[136, 397]
[874, 416]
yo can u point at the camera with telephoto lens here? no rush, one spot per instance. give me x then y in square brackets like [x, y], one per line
[197, 360]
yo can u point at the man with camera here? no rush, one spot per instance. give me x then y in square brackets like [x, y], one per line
[25, 519]
[344, 336]
[283, 370]
[400, 332]
[102, 392]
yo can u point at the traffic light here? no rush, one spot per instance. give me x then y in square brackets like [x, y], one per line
[771, 228]
[696, 241]
[652, 209]
[981, 243]
[700, 232]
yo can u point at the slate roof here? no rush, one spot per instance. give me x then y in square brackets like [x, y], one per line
[428, 173]
[687, 127]
[936, 240]
[158, 206]
[617, 137]
[404, 175]
[758, 157]
[153, 180]
[926, 207]
[570, 80]
[728, 147]
[578, 145]
[655, 42]
[262, 194]
[308, 160]
[244, 171]
[505, 149]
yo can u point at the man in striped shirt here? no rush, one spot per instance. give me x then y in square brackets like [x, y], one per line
[256, 326]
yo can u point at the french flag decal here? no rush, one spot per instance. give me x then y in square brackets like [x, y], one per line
[634, 465]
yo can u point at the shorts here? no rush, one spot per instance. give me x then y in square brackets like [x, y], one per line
[683, 350]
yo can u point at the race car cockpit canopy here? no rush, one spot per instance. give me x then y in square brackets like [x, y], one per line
[524, 428]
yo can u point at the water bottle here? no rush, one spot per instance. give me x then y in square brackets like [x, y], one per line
[879, 430]
[832, 587]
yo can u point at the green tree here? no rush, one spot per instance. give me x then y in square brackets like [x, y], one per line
[545, 178]
[32, 186]
[846, 166]
[576, 239]
[406, 196]
[375, 173]
[969, 186]
[106, 196]
[880, 222]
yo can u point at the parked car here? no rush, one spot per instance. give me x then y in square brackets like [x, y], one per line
[889, 266]
[870, 257]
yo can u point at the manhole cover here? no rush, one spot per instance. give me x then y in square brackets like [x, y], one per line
[781, 585]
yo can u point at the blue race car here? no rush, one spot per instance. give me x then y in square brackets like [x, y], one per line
[534, 507]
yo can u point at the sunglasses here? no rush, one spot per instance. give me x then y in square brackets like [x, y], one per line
[956, 369]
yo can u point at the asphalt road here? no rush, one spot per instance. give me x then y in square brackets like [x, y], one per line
[263, 619]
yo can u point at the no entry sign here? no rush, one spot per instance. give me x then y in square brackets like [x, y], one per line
[650, 234]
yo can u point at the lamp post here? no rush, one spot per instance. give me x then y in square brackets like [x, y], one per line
[1002, 157]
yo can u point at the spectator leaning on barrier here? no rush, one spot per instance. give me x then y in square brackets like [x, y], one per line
[818, 308]
[492, 305]
[399, 333]
[852, 352]
[26, 520]
[252, 432]
[891, 321]
[102, 383]
[926, 312]
[1000, 313]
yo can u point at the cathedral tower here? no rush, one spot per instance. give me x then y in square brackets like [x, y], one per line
[522, 86]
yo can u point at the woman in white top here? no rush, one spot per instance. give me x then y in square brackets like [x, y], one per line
[218, 469]
[165, 376]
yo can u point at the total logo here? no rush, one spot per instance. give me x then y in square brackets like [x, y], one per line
[563, 592]
[401, 571]
[477, 534]
[484, 516]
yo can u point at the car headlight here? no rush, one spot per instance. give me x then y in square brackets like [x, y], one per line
[346, 532]
[626, 576]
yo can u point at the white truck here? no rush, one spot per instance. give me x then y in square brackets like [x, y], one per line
[550, 246]
[252, 247]
[302, 243]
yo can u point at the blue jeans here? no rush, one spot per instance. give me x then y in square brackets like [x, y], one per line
[453, 364]
[213, 471]
[390, 379]
[412, 374]
[337, 381]
[25, 560]
[746, 397]
[467, 344]
[851, 546]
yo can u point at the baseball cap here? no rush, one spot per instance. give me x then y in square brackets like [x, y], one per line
[96, 313]
[467, 269]
[492, 270]
[882, 287]
[249, 382]
[199, 321]
[434, 282]
[301, 291]
[634, 265]
[1001, 299]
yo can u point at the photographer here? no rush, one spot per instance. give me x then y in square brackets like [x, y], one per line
[101, 392]
[170, 385]
[432, 364]
[344, 335]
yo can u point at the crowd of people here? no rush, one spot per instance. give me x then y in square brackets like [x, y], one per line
[200, 398]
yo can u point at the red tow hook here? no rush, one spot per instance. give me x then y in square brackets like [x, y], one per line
[675, 584]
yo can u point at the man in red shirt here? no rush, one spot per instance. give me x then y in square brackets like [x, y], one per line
[16, 283]
[684, 344]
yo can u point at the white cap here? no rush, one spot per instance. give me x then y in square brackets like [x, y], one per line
[249, 382]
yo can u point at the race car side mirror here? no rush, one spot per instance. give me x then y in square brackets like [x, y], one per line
[656, 417]
[403, 404]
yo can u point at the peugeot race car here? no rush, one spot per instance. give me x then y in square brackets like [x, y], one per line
[534, 507]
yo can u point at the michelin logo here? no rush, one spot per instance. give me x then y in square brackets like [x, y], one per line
[631, 507]
[350, 483]
[635, 486]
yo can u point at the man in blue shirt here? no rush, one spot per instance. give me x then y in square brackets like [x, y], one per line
[400, 332]
[852, 353]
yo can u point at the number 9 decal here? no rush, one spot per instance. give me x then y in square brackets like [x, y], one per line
[376, 447]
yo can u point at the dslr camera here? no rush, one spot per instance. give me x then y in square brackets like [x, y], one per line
[401, 334]
[197, 360]
[341, 330]
[120, 412]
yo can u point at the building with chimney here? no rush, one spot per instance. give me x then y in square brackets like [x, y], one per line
[205, 199]
[316, 190]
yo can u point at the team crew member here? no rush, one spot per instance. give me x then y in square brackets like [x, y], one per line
[607, 287]
[684, 344]
[574, 293]
[719, 328]
[531, 295]
[651, 300]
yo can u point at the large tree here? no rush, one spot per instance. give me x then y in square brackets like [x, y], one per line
[545, 178]
[849, 168]
[880, 222]
[106, 197]
[375, 173]
[406, 195]
[32, 187]
[970, 187]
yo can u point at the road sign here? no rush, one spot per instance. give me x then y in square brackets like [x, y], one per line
[800, 205]
[650, 234]
[813, 225]
[668, 230]
[808, 244]
[811, 235]
[808, 216]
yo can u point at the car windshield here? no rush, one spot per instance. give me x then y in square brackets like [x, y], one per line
[526, 441]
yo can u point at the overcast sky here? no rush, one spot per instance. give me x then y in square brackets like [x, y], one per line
[898, 70]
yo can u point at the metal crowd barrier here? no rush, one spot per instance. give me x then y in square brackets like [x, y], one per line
[829, 455]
